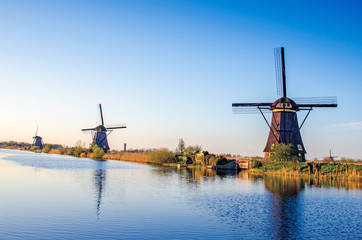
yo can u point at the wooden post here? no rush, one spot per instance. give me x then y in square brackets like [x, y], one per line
[310, 167]
[317, 167]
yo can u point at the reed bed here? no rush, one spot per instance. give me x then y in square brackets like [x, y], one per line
[127, 156]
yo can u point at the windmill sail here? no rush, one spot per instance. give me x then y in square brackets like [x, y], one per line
[118, 126]
[101, 114]
[88, 129]
[316, 101]
[280, 71]
[249, 108]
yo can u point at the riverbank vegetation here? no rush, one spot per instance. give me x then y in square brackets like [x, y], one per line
[282, 160]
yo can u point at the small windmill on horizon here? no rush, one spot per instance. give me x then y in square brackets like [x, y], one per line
[38, 141]
[101, 132]
[284, 127]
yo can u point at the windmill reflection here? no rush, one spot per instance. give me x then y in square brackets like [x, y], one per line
[99, 182]
[285, 210]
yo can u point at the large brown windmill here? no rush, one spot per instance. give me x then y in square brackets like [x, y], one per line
[284, 127]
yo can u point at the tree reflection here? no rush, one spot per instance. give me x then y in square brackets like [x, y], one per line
[285, 208]
[283, 185]
[196, 175]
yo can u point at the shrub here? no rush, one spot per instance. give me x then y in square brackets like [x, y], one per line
[256, 162]
[69, 151]
[78, 150]
[223, 161]
[211, 160]
[34, 148]
[181, 159]
[294, 165]
[47, 148]
[303, 167]
[61, 151]
[270, 163]
[97, 152]
[160, 156]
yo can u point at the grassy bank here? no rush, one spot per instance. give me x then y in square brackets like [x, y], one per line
[334, 170]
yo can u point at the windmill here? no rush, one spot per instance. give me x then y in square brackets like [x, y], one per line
[101, 132]
[38, 141]
[332, 158]
[284, 127]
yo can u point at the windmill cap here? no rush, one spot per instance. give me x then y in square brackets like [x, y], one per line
[284, 103]
[100, 128]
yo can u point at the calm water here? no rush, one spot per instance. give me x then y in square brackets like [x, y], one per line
[57, 197]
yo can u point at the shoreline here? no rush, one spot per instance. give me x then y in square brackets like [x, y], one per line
[142, 158]
[321, 176]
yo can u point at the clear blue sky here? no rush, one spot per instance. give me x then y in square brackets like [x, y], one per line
[171, 69]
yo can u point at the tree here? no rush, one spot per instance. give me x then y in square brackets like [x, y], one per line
[197, 149]
[181, 146]
[189, 151]
[78, 143]
[283, 153]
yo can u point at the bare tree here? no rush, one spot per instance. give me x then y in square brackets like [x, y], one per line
[181, 146]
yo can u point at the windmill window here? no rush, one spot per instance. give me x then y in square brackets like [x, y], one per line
[284, 105]
[300, 148]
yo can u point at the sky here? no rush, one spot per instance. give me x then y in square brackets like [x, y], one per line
[172, 69]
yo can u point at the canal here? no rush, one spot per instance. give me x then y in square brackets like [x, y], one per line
[45, 196]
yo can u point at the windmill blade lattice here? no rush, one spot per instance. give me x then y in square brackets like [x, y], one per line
[316, 101]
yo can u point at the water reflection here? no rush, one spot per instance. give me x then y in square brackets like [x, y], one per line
[99, 182]
[283, 185]
[284, 204]
[197, 175]
[333, 183]
[280, 213]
